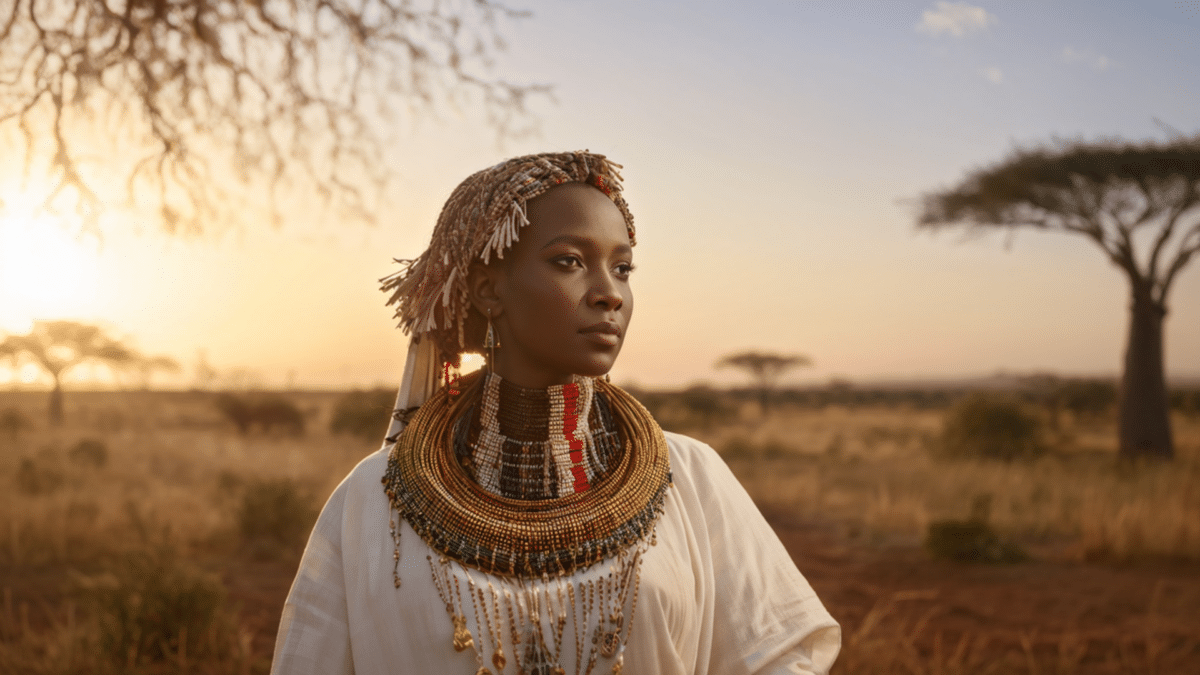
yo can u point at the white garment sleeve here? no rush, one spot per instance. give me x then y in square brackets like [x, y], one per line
[767, 619]
[314, 634]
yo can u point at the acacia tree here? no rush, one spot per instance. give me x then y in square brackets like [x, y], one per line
[301, 89]
[1138, 203]
[58, 346]
[144, 367]
[765, 368]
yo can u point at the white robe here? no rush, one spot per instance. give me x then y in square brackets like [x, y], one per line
[719, 593]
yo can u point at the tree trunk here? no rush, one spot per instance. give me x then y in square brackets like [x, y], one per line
[56, 403]
[1144, 416]
[764, 400]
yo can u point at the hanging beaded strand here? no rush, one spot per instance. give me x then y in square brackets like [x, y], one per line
[396, 550]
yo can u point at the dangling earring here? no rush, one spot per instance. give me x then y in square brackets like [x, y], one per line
[490, 342]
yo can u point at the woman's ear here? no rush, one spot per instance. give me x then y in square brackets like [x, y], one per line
[483, 288]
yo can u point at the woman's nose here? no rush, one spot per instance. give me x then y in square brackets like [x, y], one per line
[606, 293]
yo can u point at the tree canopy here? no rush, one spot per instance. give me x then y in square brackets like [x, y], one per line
[58, 346]
[285, 89]
[1108, 191]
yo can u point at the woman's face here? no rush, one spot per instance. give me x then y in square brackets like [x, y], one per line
[561, 294]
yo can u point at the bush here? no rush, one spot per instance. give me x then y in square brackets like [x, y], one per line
[738, 447]
[365, 414]
[154, 610]
[969, 541]
[35, 477]
[89, 451]
[991, 426]
[1085, 397]
[972, 540]
[705, 405]
[274, 518]
[1186, 401]
[13, 422]
[269, 413]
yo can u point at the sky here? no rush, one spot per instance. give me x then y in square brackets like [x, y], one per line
[772, 151]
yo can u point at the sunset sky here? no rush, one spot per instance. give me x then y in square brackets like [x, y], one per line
[772, 151]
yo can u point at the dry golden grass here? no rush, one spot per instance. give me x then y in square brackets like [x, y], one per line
[175, 475]
[174, 478]
[872, 471]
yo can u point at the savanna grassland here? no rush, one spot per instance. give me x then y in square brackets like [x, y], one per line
[149, 535]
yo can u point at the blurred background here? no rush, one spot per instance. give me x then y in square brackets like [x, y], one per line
[194, 350]
[774, 153]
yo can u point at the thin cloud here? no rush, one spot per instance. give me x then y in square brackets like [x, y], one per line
[1098, 62]
[955, 18]
[993, 74]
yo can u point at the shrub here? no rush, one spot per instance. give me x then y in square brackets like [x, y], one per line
[13, 422]
[35, 477]
[89, 451]
[705, 405]
[1186, 401]
[365, 414]
[972, 540]
[738, 447]
[274, 518]
[1085, 397]
[969, 541]
[991, 426]
[153, 610]
[269, 413]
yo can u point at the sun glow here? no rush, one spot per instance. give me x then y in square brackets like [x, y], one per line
[45, 271]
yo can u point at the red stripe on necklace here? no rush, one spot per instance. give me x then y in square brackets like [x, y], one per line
[570, 424]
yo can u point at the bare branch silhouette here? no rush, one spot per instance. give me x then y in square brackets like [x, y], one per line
[299, 90]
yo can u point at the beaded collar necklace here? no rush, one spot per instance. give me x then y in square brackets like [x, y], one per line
[604, 515]
[426, 484]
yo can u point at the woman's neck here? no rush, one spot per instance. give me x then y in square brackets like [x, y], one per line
[538, 443]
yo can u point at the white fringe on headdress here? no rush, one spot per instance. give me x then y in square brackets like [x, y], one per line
[506, 234]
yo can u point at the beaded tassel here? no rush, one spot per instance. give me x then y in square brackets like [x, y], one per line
[537, 612]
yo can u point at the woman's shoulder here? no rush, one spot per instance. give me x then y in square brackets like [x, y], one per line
[367, 473]
[694, 461]
[690, 450]
[372, 466]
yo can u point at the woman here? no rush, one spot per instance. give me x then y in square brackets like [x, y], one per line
[533, 518]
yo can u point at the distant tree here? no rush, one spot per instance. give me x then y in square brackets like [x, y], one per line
[1138, 204]
[58, 346]
[289, 88]
[765, 368]
[205, 373]
[146, 366]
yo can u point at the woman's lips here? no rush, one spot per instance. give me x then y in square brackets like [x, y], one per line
[603, 333]
[606, 339]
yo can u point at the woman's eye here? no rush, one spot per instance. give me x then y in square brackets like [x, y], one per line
[625, 269]
[569, 261]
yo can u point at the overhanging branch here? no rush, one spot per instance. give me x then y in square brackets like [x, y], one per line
[291, 89]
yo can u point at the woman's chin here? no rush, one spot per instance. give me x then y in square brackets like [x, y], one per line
[597, 366]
